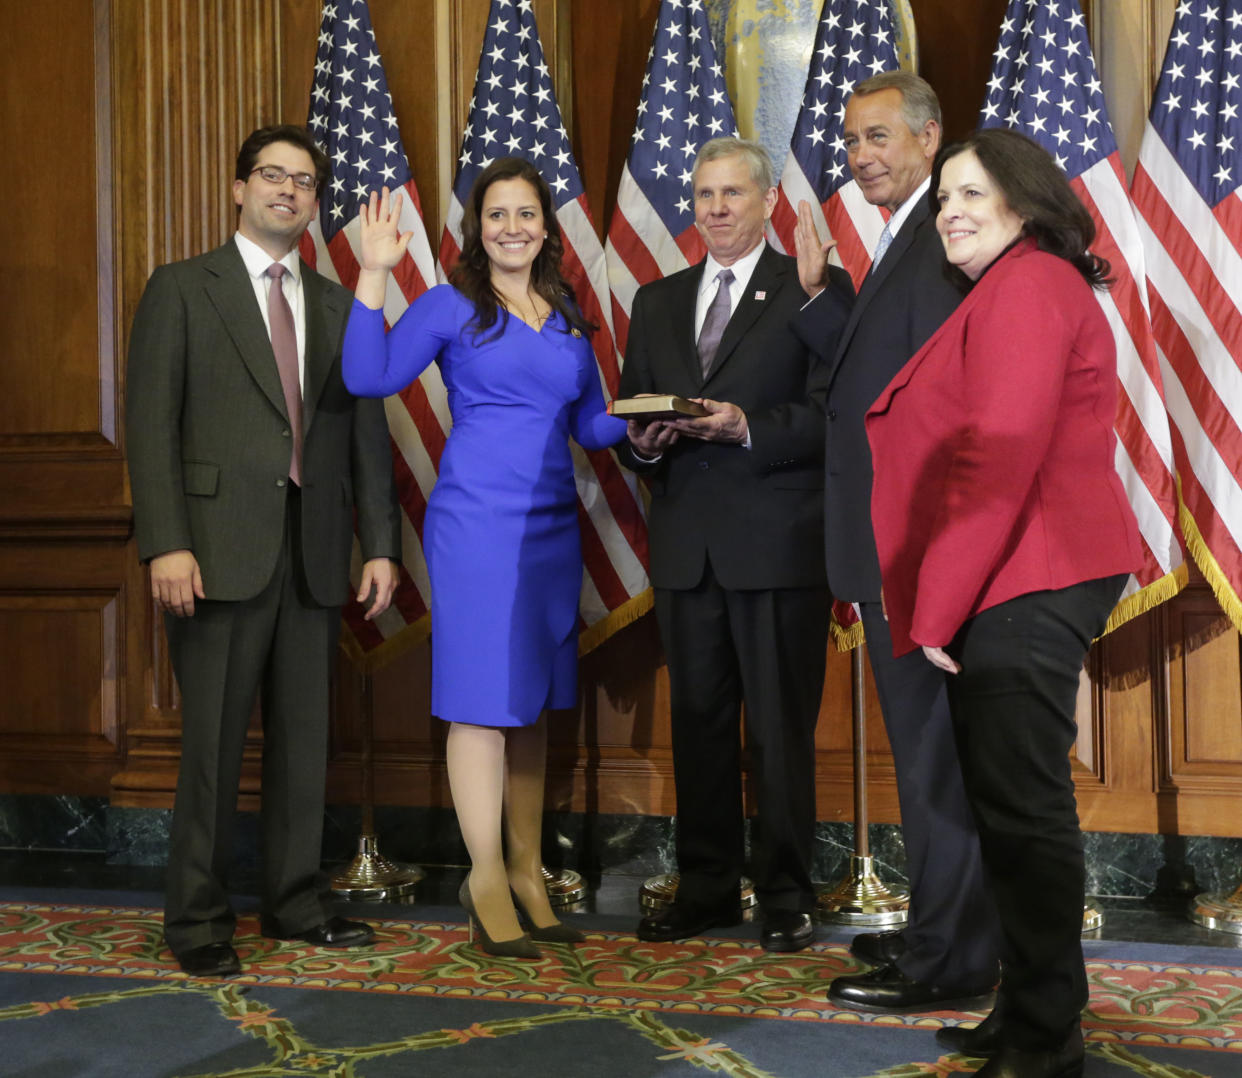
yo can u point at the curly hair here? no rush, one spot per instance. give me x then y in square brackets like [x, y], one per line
[1036, 190]
[472, 277]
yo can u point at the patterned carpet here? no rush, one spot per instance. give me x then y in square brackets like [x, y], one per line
[91, 991]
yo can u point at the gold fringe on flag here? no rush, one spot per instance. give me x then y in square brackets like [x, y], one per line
[847, 639]
[626, 614]
[1208, 565]
[1145, 599]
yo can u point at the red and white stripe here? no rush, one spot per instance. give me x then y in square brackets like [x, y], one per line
[846, 218]
[640, 249]
[1144, 456]
[1194, 280]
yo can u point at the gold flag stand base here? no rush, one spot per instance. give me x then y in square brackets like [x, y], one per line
[660, 891]
[565, 887]
[861, 899]
[1092, 918]
[1221, 912]
[371, 877]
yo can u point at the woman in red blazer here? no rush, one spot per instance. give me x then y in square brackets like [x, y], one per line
[1005, 539]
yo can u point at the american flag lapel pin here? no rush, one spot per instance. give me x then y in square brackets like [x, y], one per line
[761, 295]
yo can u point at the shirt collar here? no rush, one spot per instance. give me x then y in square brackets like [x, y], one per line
[257, 260]
[906, 208]
[742, 268]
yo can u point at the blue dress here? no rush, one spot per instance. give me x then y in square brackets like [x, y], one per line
[501, 530]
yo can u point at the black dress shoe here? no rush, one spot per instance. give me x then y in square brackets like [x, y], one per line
[1064, 1062]
[334, 932]
[886, 988]
[982, 1041]
[682, 922]
[210, 960]
[878, 948]
[786, 930]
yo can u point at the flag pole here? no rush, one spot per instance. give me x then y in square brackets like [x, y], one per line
[370, 876]
[860, 898]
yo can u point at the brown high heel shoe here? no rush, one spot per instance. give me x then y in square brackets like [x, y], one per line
[556, 932]
[519, 947]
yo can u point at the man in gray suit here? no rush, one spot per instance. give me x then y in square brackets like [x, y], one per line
[248, 459]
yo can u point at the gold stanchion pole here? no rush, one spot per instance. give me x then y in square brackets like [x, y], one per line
[860, 898]
[370, 876]
[1221, 912]
[1092, 918]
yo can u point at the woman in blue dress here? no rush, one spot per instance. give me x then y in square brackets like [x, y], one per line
[501, 531]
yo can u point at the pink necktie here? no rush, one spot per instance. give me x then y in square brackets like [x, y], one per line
[285, 345]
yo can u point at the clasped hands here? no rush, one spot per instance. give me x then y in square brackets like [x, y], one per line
[724, 423]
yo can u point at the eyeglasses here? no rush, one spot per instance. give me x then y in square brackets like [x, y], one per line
[276, 175]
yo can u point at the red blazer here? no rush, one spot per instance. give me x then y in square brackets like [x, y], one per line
[993, 451]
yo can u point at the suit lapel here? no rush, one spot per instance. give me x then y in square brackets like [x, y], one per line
[231, 293]
[766, 279]
[684, 296]
[325, 312]
[875, 280]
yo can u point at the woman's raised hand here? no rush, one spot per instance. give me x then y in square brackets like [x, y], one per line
[380, 244]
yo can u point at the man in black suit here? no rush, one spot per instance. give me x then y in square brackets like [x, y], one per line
[736, 527]
[248, 460]
[947, 953]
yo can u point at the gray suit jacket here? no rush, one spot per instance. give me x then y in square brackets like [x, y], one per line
[208, 436]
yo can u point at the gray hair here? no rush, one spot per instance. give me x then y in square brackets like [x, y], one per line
[919, 103]
[755, 156]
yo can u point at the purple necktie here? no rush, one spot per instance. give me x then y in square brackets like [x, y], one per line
[285, 346]
[715, 321]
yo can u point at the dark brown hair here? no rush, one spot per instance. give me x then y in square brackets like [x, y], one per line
[1036, 190]
[263, 137]
[472, 275]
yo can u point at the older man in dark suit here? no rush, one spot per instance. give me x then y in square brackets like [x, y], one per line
[947, 953]
[248, 459]
[736, 528]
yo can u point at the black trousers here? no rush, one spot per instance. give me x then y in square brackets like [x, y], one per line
[277, 647]
[952, 937]
[1013, 707]
[768, 648]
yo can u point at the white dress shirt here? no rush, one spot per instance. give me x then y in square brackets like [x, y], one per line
[257, 260]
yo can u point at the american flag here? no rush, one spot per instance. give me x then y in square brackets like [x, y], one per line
[854, 41]
[351, 117]
[1186, 191]
[514, 113]
[684, 103]
[1044, 85]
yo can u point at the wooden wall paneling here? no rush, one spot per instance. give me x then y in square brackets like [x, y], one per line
[956, 42]
[63, 514]
[610, 43]
[191, 79]
[50, 318]
[63, 634]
